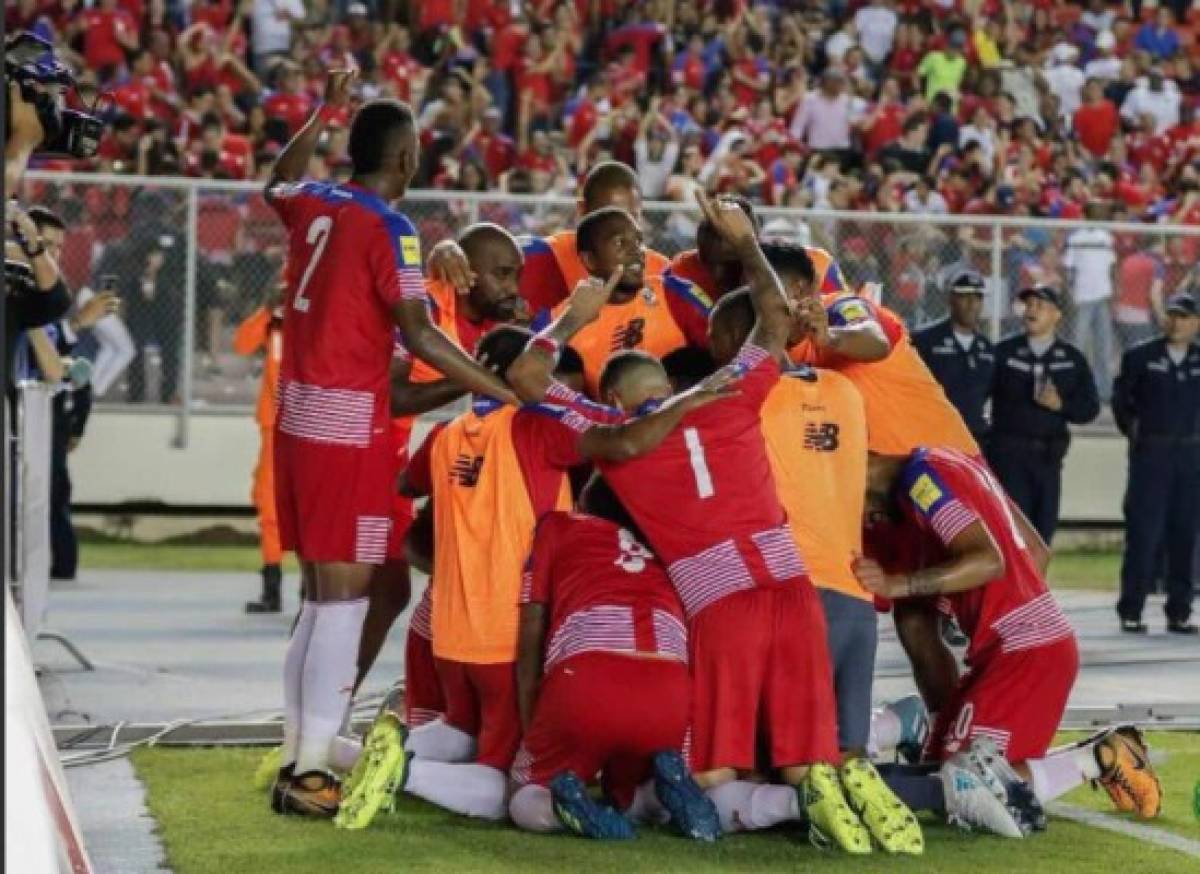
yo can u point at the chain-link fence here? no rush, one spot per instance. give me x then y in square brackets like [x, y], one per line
[191, 259]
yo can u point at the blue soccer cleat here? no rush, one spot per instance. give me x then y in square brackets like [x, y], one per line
[583, 815]
[692, 812]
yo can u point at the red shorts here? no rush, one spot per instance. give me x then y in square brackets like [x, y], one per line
[1015, 698]
[603, 713]
[423, 697]
[760, 667]
[482, 701]
[334, 502]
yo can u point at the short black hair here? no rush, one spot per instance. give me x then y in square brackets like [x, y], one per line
[587, 233]
[44, 217]
[688, 365]
[604, 177]
[372, 130]
[790, 258]
[598, 499]
[734, 312]
[622, 363]
[570, 363]
[705, 227]
[501, 346]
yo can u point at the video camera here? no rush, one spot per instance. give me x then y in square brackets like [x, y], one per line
[44, 80]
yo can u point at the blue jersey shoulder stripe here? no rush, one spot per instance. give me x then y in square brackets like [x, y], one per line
[541, 320]
[687, 291]
[531, 245]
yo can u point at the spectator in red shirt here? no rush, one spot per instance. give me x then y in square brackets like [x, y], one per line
[751, 73]
[118, 152]
[108, 32]
[489, 145]
[884, 122]
[588, 110]
[290, 104]
[624, 77]
[403, 74]
[235, 156]
[689, 69]
[1097, 121]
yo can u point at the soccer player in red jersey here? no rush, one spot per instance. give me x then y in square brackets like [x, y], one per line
[706, 501]
[602, 681]
[353, 275]
[945, 533]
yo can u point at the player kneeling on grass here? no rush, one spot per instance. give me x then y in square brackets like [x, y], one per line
[951, 540]
[602, 682]
[492, 473]
[706, 500]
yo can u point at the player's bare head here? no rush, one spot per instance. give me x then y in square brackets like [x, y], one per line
[383, 146]
[729, 324]
[500, 347]
[714, 251]
[608, 240]
[569, 370]
[882, 473]
[599, 499]
[496, 260]
[611, 183]
[687, 366]
[794, 267]
[632, 377]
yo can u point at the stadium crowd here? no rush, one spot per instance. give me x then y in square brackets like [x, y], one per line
[975, 107]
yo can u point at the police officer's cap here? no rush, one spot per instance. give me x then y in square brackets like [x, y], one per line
[1041, 292]
[967, 282]
[1183, 304]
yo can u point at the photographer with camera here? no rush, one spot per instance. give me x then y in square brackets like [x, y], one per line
[45, 354]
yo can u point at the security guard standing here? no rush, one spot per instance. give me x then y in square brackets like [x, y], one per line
[960, 357]
[1041, 384]
[1156, 401]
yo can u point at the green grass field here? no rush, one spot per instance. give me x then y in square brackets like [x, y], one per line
[229, 830]
[1069, 570]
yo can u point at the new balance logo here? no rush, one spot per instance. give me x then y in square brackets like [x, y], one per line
[629, 335]
[466, 469]
[821, 437]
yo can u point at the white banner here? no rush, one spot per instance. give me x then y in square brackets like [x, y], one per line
[41, 832]
[36, 427]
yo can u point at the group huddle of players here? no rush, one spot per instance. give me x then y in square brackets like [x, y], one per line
[658, 540]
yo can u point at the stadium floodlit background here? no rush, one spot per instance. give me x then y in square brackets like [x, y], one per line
[516, 99]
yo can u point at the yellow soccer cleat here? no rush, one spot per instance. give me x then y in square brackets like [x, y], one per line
[268, 768]
[1126, 773]
[377, 776]
[887, 818]
[829, 815]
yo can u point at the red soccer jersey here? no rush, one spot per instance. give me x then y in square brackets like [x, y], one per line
[294, 109]
[942, 493]
[351, 259]
[401, 69]
[604, 590]
[706, 499]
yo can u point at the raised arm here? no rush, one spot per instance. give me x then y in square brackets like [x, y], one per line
[293, 160]
[643, 434]
[531, 375]
[410, 398]
[774, 315]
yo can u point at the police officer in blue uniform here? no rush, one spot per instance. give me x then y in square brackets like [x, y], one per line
[960, 357]
[1156, 402]
[1042, 383]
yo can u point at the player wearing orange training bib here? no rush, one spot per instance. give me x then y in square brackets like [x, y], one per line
[643, 312]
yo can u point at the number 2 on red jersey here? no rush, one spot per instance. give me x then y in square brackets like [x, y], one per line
[317, 237]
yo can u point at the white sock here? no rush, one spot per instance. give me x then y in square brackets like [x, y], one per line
[439, 741]
[461, 787]
[646, 807]
[1060, 771]
[344, 752]
[293, 674]
[885, 731]
[532, 809]
[329, 671]
[750, 806]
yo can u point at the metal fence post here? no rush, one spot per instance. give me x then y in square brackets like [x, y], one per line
[1000, 293]
[473, 211]
[187, 364]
